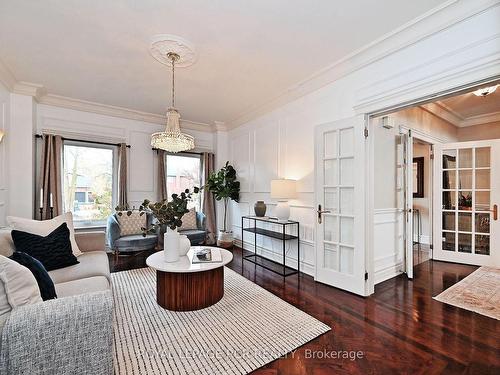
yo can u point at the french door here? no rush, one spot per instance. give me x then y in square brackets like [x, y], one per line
[404, 192]
[467, 182]
[340, 203]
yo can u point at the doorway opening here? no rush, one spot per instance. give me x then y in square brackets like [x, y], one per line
[435, 183]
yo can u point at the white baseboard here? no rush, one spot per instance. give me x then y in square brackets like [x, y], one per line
[425, 240]
[388, 273]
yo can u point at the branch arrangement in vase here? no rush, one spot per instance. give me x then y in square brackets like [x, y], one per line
[168, 214]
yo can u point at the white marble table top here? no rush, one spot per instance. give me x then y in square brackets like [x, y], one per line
[184, 265]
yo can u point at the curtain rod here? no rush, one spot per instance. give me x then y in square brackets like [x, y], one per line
[182, 152]
[80, 140]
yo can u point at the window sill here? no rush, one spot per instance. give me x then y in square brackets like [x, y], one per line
[90, 228]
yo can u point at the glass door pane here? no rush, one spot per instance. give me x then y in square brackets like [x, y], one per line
[465, 192]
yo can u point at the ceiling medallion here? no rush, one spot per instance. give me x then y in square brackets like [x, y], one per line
[163, 44]
[172, 139]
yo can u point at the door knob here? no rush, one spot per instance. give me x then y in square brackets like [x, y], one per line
[320, 212]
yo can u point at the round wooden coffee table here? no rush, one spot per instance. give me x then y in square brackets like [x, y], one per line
[184, 286]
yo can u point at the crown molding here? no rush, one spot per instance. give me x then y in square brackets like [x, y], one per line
[115, 111]
[481, 119]
[220, 126]
[432, 22]
[30, 89]
[6, 77]
[444, 112]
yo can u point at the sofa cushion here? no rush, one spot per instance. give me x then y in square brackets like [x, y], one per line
[43, 228]
[6, 244]
[136, 242]
[195, 236]
[131, 222]
[82, 286]
[189, 220]
[18, 287]
[53, 250]
[45, 283]
[92, 263]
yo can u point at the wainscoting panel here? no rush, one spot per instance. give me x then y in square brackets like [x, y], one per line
[388, 249]
[272, 248]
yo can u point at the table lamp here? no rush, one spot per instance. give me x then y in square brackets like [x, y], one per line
[283, 190]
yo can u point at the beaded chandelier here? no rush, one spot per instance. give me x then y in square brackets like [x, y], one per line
[172, 139]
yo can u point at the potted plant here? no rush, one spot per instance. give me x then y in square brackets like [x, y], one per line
[168, 217]
[224, 187]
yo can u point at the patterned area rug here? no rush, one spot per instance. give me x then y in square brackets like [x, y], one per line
[478, 292]
[248, 328]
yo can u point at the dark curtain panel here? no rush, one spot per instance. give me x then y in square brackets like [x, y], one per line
[51, 174]
[162, 175]
[122, 175]
[208, 160]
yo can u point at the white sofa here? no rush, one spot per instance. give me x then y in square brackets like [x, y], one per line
[70, 333]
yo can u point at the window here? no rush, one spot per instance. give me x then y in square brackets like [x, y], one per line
[184, 172]
[89, 182]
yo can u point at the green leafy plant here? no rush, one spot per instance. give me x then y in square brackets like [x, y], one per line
[223, 186]
[168, 214]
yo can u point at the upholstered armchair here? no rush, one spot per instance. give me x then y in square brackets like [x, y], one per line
[196, 236]
[131, 243]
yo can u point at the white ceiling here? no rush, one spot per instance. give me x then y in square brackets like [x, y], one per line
[248, 51]
[468, 109]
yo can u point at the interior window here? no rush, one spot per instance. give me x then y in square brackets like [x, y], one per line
[184, 172]
[89, 182]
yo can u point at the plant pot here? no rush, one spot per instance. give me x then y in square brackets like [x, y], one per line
[171, 245]
[184, 245]
[260, 209]
[225, 239]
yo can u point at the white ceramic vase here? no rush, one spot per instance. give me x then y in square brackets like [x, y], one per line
[171, 242]
[184, 245]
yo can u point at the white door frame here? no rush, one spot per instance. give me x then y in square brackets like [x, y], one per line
[370, 112]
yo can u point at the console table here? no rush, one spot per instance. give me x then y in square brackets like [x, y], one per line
[282, 235]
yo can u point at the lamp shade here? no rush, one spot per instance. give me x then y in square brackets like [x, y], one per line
[283, 189]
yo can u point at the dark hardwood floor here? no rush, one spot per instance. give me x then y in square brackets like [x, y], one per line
[399, 330]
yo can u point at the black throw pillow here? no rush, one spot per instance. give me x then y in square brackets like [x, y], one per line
[53, 251]
[45, 283]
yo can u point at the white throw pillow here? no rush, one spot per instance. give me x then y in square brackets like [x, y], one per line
[131, 224]
[189, 220]
[45, 227]
[18, 287]
[6, 244]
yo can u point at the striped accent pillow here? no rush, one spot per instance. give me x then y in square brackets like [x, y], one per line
[189, 220]
[131, 222]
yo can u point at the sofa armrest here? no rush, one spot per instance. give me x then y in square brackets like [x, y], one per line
[113, 231]
[91, 241]
[71, 335]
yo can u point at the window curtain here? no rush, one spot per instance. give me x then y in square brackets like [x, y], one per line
[208, 160]
[122, 175]
[51, 174]
[162, 172]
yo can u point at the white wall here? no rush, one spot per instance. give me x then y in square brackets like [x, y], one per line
[142, 161]
[4, 154]
[279, 143]
[21, 143]
[479, 132]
